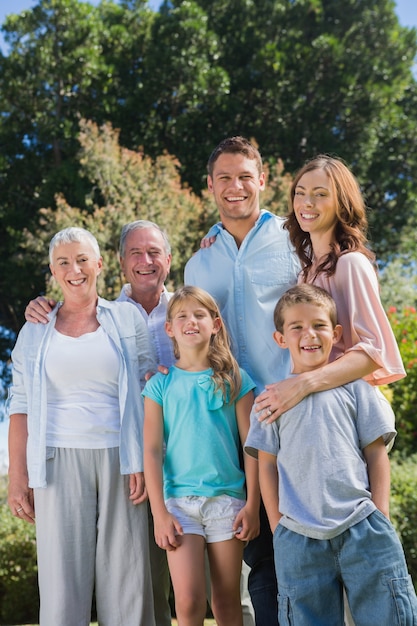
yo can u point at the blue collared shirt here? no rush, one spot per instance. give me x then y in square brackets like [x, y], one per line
[247, 282]
[27, 395]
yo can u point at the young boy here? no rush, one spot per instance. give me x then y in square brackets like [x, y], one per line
[325, 481]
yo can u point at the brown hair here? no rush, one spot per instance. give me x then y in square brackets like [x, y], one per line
[352, 224]
[235, 145]
[226, 373]
[304, 294]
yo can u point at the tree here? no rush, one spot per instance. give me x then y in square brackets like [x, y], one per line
[296, 77]
[61, 67]
[302, 78]
[181, 89]
[125, 186]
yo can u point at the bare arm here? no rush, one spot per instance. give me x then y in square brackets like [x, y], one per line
[248, 517]
[20, 496]
[167, 528]
[281, 396]
[37, 310]
[268, 478]
[379, 474]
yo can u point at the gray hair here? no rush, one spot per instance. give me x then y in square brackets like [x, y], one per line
[141, 225]
[73, 234]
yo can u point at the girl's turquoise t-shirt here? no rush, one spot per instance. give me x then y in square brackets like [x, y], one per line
[200, 434]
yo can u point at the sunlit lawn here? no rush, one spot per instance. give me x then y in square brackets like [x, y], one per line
[207, 622]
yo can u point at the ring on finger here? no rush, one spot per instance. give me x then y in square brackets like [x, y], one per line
[18, 510]
[269, 412]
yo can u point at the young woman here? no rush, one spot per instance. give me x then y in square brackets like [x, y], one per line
[327, 226]
[196, 418]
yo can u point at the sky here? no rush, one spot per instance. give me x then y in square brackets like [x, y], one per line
[406, 10]
[407, 14]
[17, 6]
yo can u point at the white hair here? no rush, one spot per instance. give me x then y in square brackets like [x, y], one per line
[73, 234]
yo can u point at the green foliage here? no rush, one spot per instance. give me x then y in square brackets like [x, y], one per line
[19, 602]
[296, 77]
[65, 63]
[306, 77]
[404, 399]
[398, 281]
[404, 506]
[126, 186]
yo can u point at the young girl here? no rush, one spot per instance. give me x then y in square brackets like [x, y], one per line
[327, 226]
[196, 417]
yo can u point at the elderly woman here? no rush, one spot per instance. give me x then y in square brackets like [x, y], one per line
[75, 446]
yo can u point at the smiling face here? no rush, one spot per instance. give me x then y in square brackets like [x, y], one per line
[309, 335]
[315, 203]
[75, 266]
[146, 262]
[192, 325]
[236, 184]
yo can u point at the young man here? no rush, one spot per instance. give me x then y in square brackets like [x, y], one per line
[325, 481]
[247, 268]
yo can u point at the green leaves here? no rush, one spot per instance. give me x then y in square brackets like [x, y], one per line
[404, 399]
[296, 77]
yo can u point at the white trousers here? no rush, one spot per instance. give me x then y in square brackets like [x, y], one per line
[90, 537]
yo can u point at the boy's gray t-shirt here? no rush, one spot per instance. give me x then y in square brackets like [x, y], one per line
[323, 480]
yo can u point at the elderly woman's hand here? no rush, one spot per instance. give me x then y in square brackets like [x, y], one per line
[137, 489]
[20, 498]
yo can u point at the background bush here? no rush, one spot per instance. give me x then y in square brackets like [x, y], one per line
[404, 399]
[19, 600]
[404, 506]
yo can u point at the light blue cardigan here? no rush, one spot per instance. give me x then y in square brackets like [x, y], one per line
[125, 326]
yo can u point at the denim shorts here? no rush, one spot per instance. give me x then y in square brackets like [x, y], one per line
[367, 559]
[212, 518]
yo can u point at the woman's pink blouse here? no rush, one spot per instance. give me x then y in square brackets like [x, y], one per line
[355, 289]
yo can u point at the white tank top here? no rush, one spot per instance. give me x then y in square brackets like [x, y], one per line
[82, 375]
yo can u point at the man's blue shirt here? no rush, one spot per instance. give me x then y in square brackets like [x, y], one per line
[247, 282]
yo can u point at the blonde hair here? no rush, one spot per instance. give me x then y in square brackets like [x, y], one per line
[226, 374]
[352, 223]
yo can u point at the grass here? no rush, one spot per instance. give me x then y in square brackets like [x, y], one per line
[207, 622]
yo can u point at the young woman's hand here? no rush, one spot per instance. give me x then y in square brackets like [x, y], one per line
[280, 397]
